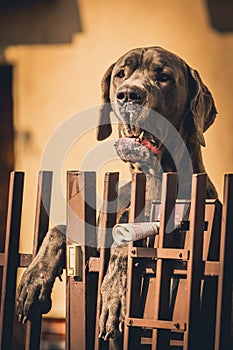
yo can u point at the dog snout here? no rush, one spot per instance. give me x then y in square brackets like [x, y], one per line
[133, 94]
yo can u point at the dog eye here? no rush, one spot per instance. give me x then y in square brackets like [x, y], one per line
[163, 77]
[120, 74]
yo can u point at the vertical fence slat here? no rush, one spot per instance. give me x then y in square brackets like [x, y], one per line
[224, 297]
[194, 265]
[137, 203]
[160, 337]
[81, 228]
[106, 222]
[41, 227]
[137, 206]
[11, 258]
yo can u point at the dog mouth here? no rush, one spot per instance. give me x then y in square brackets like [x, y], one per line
[141, 136]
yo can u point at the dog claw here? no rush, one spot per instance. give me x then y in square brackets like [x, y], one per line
[121, 326]
[103, 335]
[141, 136]
[24, 320]
[107, 336]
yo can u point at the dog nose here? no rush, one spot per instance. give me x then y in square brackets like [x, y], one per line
[131, 94]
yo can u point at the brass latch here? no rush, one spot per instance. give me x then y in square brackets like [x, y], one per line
[74, 261]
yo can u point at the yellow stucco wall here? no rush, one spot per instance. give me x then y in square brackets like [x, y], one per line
[53, 82]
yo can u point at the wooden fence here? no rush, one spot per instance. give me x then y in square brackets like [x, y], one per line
[206, 253]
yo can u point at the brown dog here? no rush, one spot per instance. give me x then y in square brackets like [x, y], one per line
[158, 99]
[153, 93]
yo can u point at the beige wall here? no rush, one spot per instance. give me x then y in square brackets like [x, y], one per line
[53, 82]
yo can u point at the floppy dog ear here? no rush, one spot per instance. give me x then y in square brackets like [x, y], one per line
[104, 128]
[202, 106]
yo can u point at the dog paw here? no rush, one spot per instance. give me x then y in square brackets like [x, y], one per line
[35, 287]
[34, 294]
[113, 295]
[110, 325]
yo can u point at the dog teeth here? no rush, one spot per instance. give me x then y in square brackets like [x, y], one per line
[122, 133]
[141, 136]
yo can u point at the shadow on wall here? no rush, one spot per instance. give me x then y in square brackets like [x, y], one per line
[221, 15]
[38, 21]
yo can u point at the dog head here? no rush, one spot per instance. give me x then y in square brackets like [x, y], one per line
[154, 79]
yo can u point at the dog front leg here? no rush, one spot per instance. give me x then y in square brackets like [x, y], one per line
[113, 294]
[34, 291]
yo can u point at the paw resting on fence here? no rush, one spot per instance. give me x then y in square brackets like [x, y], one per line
[34, 291]
[113, 292]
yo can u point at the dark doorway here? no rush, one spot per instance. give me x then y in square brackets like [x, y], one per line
[6, 143]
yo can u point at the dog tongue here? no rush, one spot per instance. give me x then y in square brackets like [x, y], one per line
[144, 142]
[150, 146]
